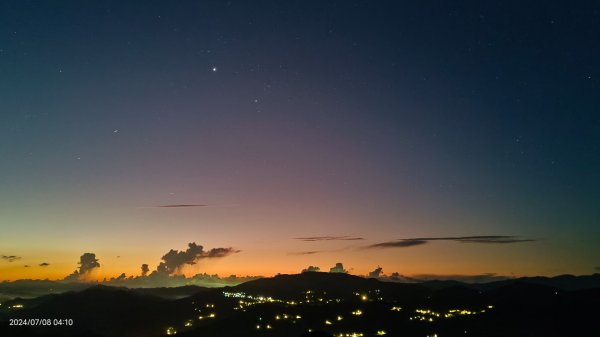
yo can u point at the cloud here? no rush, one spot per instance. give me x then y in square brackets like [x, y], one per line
[166, 272]
[375, 273]
[174, 260]
[145, 269]
[176, 280]
[181, 205]
[598, 268]
[311, 269]
[338, 268]
[10, 258]
[87, 263]
[329, 238]
[493, 239]
[26, 266]
[403, 243]
[310, 252]
[476, 239]
[219, 252]
[44, 264]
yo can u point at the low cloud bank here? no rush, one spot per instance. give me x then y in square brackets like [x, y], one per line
[418, 278]
[168, 273]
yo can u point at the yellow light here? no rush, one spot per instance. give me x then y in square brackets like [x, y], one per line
[328, 322]
[364, 297]
[357, 312]
[171, 331]
[339, 318]
[381, 332]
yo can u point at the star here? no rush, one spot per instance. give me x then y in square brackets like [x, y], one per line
[214, 69]
[116, 131]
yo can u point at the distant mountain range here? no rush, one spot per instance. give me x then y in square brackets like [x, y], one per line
[562, 282]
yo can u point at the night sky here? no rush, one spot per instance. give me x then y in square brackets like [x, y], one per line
[388, 133]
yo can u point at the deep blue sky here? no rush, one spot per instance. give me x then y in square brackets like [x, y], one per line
[303, 118]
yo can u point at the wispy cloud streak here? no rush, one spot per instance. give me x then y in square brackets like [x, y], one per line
[487, 239]
[10, 258]
[181, 206]
[329, 238]
[305, 253]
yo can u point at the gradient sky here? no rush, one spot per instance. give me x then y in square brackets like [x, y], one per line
[292, 119]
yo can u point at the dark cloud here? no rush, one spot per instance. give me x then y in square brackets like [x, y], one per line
[477, 239]
[174, 260]
[182, 205]
[463, 239]
[44, 264]
[403, 243]
[145, 269]
[329, 238]
[26, 266]
[311, 269]
[311, 252]
[165, 272]
[219, 252]
[338, 268]
[10, 258]
[87, 263]
[492, 239]
[375, 273]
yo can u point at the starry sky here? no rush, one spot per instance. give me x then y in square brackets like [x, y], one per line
[306, 132]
